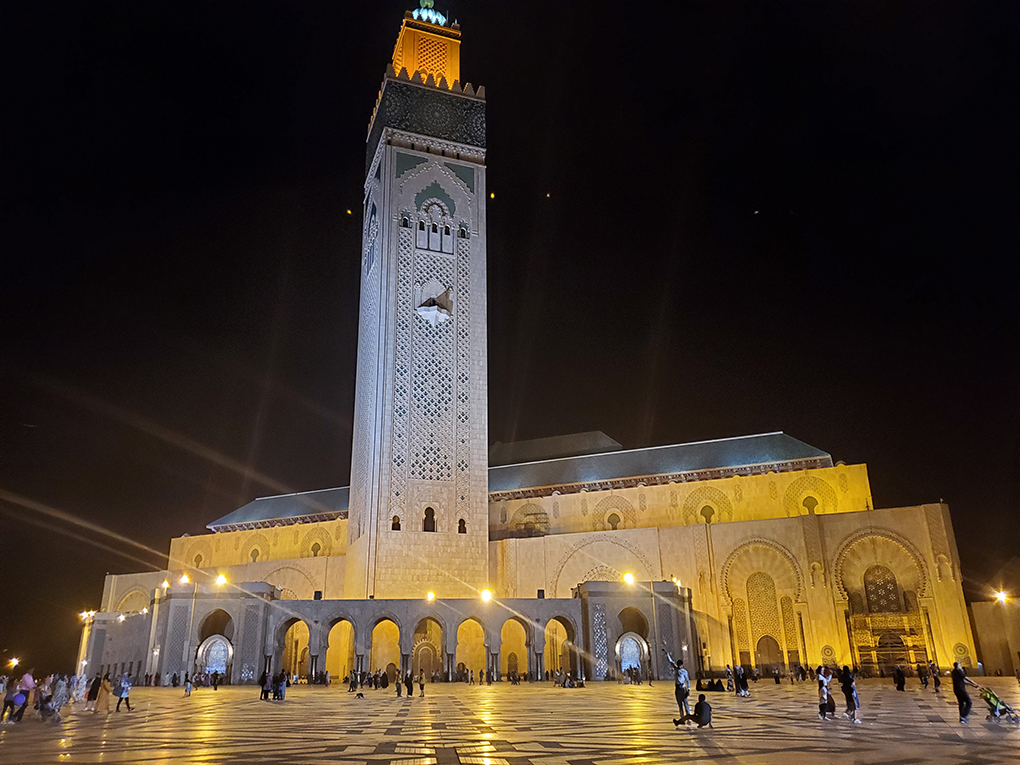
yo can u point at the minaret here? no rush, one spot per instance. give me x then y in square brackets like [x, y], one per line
[418, 518]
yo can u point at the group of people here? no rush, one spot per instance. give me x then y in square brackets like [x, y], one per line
[54, 692]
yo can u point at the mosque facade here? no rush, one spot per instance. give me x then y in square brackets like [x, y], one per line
[568, 553]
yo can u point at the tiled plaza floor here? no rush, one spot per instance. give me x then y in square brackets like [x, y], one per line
[519, 725]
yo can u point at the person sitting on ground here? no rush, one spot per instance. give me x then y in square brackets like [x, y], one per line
[702, 714]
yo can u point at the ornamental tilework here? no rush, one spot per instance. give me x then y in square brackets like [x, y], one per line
[250, 659]
[740, 623]
[600, 640]
[402, 372]
[789, 623]
[462, 427]
[761, 599]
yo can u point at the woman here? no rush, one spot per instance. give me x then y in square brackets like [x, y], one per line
[93, 694]
[61, 696]
[421, 681]
[846, 682]
[103, 700]
[824, 678]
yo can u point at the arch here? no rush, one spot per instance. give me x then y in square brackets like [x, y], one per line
[514, 637]
[614, 521]
[763, 607]
[200, 547]
[632, 620]
[616, 541]
[320, 536]
[256, 541]
[462, 526]
[395, 523]
[886, 537]
[470, 651]
[890, 651]
[133, 600]
[762, 555]
[768, 655]
[215, 654]
[274, 577]
[428, 522]
[709, 496]
[292, 636]
[340, 634]
[561, 651]
[632, 654]
[603, 574]
[809, 486]
[427, 652]
[529, 520]
[624, 509]
[385, 647]
[216, 622]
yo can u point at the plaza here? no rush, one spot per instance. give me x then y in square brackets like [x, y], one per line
[457, 724]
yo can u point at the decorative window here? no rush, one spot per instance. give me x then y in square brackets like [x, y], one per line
[707, 512]
[198, 561]
[614, 521]
[395, 525]
[462, 526]
[254, 555]
[316, 548]
[429, 523]
[882, 591]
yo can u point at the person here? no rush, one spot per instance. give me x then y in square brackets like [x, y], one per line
[729, 678]
[25, 687]
[124, 692]
[960, 691]
[922, 675]
[103, 700]
[61, 695]
[824, 678]
[683, 684]
[9, 703]
[409, 684]
[264, 686]
[421, 681]
[93, 694]
[215, 680]
[899, 678]
[187, 685]
[846, 682]
[936, 680]
[398, 682]
[702, 714]
[471, 677]
[775, 674]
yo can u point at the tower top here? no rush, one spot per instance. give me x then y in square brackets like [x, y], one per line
[428, 43]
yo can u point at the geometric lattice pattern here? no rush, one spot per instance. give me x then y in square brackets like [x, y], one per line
[740, 623]
[431, 56]
[789, 624]
[881, 590]
[600, 639]
[761, 599]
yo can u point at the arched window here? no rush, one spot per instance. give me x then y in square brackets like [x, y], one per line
[421, 225]
[462, 526]
[254, 555]
[316, 547]
[395, 526]
[882, 591]
[708, 512]
[810, 503]
[198, 561]
[429, 524]
[614, 521]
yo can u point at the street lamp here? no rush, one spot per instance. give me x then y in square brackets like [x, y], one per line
[486, 595]
[628, 578]
[184, 579]
[1001, 596]
[14, 662]
[430, 596]
[221, 580]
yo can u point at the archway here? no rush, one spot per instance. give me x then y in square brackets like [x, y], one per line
[294, 657]
[217, 622]
[889, 652]
[427, 655]
[632, 620]
[768, 656]
[340, 650]
[513, 639]
[133, 602]
[215, 654]
[385, 653]
[560, 649]
[471, 649]
[632, 654]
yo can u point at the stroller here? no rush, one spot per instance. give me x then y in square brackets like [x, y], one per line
[997, 708]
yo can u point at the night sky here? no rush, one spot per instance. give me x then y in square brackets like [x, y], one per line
[711, 219]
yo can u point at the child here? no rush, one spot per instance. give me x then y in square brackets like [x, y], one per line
[187, 686]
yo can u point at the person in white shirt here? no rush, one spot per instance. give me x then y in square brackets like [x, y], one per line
[683, 683]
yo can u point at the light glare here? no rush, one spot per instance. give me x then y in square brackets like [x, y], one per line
[486, 595]
[628, 578]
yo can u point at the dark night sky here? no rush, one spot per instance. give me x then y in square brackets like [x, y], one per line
[762, 216]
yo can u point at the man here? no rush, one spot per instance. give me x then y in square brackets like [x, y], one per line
[683, 684]
[702, 714]
[960, 691]
[25, 686]
[899, 677]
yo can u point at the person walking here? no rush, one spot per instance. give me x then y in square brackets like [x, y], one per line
[846, 682]
[682, 688]
[124, 692]
[215, 680]
[922, 675]
[25, 687]
[729, 678]
[936, 673]
[187, 685]
[960, 691]
[421, 681]
[899, 677]
[103, 700]
[824, 695]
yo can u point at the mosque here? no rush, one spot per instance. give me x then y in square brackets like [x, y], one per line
[568, 553]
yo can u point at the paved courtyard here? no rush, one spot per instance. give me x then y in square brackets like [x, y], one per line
[472, 725]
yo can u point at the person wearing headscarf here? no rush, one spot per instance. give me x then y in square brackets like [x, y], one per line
[103, 700]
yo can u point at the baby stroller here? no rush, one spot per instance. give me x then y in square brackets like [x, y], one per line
[997, 708]
[46, 710]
